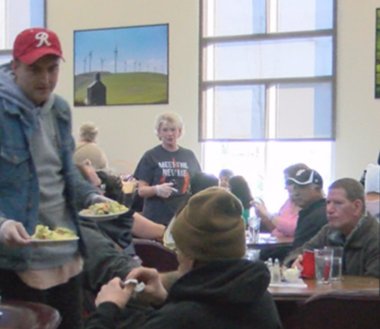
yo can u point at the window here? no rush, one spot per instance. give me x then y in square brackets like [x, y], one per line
[16, 16]
[267, 88]
[262, 164]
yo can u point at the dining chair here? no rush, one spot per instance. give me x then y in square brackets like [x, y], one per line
[26, 315]
[342, 309]
[153, 254]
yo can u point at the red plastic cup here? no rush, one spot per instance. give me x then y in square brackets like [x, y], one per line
[308, 265]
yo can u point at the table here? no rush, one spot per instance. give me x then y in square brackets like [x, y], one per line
[289, 301]
[26, 315]
[349, 283]
[267, 241]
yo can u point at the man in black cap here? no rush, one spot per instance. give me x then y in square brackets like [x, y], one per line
[308, 195]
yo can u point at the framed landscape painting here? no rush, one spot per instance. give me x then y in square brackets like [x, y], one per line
[121, 66]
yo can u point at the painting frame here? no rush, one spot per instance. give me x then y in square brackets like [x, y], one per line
[377, 55]
[119, 66]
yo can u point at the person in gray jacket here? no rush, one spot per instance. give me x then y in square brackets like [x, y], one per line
[350, 227]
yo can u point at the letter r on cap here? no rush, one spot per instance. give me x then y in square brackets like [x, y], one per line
[43, 38]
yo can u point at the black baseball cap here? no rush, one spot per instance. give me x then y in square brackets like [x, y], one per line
[305, 177]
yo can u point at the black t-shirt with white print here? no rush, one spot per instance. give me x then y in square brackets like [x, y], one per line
[158, 166]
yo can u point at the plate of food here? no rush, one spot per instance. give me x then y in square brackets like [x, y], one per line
[43, 235]
[168, 237]
[104, 211]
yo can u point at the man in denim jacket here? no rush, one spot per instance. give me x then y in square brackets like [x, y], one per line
[38, 182]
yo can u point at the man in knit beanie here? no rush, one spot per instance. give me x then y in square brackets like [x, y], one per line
[199, 182]
[216, 288]
[211, 227]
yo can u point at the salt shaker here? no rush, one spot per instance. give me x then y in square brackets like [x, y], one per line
[276, 277]
[270, 268]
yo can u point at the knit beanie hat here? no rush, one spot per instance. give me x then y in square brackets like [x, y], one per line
[211, 226]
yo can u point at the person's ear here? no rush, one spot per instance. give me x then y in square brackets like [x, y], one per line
[14, 64]
[317, 188]
[180, 132]
[87, 162]
[357, 208]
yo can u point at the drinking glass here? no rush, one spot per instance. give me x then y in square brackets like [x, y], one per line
[323, 261]
[254, 229]
[336, 271]
[252, 254]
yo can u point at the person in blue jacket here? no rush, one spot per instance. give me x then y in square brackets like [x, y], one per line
[39, 183]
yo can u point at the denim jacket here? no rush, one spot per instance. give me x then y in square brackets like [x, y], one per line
[19, 190]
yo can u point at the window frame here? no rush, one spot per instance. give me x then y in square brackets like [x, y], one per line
[203, 85]
[9, 51]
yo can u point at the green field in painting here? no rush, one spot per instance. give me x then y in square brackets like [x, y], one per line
[125, 88]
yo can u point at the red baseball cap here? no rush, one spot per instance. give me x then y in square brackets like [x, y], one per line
[32, 44]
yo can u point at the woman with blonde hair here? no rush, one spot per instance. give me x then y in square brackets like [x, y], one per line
[164, 172]
[87, 149]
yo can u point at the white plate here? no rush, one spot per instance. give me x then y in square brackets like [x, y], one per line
[298, 284]
[101, 218]
[40, 242]
[168, 237]
[267, 238]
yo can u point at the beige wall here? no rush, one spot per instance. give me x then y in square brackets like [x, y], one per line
[358, 112]
[127, 131]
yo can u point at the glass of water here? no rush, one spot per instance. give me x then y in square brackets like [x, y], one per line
[252, 254]
[336, 271]
[323, 264]
[254, 228]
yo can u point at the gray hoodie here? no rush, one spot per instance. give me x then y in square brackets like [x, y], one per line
[43, 146]
[10, 91]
